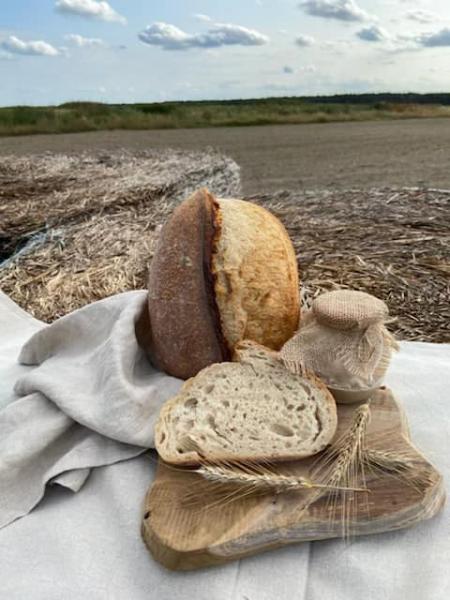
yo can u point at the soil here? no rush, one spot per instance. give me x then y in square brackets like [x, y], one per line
[412, 152]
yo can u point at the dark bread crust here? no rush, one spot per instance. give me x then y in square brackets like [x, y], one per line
[186, 333]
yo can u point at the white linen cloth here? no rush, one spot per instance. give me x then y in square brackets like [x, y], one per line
[88, 545]
[91, 399]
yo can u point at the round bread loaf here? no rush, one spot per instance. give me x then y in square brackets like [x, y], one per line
[223, 271]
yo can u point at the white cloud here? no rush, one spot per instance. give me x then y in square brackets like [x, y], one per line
[373, 33]
[83, 42]
[434, 40]
[202, 17]
[14, 45]
[94, 9]
[343, 10]
[170, 37]
[304, 40]
[422, 16]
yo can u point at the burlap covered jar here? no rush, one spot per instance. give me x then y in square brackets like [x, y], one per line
[343, 339]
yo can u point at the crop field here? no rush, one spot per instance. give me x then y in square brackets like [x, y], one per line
[405, 153]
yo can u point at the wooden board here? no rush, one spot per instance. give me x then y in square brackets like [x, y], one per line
[182, 536]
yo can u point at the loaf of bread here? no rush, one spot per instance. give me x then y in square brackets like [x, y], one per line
[250, 409]
[223, 271]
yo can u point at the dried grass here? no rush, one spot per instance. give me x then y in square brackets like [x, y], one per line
[95, 220]
[392, 243]
[44, 191]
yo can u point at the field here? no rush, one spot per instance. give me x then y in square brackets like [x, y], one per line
[83, 226]
[94, 116]
[412, 153]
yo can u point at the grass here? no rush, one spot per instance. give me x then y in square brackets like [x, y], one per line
[95, 116]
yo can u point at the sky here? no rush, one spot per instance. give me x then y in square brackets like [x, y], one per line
[54, 51]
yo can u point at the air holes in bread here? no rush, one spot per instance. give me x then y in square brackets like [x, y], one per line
[191, 403]
[306, 388]
[281, 429]
[209, 389]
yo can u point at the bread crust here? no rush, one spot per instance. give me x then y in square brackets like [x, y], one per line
[186, 333]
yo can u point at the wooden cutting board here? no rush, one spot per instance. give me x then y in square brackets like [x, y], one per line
[184, 536]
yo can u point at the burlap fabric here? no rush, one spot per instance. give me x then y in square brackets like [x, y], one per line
[343, 339]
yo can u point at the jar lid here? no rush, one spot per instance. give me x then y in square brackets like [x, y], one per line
[347, 309]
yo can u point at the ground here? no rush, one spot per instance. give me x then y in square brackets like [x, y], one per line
[274, 157]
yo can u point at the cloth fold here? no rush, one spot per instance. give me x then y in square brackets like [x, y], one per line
[90, 398]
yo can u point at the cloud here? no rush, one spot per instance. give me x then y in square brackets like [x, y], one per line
[83, 42]
[93, 9]
[373, 33]
[422, 16]
[434, 40]
[304, 41]
[14, 45]
[170, 37]
[288, 70]
[342, 10]
[202, 17]
[407, 42]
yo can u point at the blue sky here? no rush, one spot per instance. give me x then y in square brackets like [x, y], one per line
[52, 51]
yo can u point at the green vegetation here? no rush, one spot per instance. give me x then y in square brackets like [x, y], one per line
[93, 116]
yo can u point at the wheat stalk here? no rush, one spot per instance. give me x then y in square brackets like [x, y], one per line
[342, 467]
[256, 476]
[345, 452]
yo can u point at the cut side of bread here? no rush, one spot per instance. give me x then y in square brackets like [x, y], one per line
[256, 276]
[253, 409]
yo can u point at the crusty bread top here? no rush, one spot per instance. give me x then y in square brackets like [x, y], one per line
[253, 409]
[256, 274]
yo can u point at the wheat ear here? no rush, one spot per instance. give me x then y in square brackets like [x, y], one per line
[257, 476]
[398, 465]
[342, 468]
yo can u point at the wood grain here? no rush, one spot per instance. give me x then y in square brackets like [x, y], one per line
[183, 536]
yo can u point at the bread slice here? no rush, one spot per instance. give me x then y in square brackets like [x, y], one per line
[252, 409]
